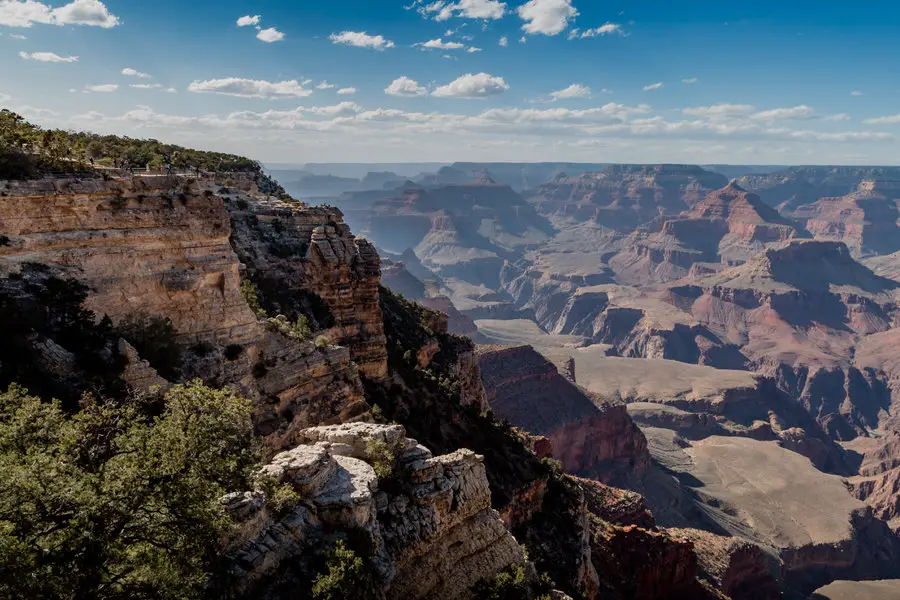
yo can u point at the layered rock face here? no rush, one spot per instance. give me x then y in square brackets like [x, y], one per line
[142, 245]
[161, 247]
[796, 186]
[305, 257]
[590, 437]
[624, 196]
[866, 220]
[727, 226]
[432, 531]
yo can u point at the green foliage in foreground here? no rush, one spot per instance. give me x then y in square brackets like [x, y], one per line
[114, 502]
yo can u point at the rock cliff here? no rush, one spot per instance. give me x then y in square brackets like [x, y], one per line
[430, 529]
[591, 437]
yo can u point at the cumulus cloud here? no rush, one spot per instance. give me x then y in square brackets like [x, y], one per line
[653, 86]
[856, 93]
[469, 86]
[249, 21]
[889, 120]
[361, 39]
[576, 90]
[270, 35]
[405, 87]
[347, 91]
[105, 88]
[440, 44]
[473, 49]
[546, 17]
[605, 29]
[48, 57]
[504, 41]
[442, 10]
[145, 86]
[719, 110]
[250, 88]
[324, 85]
[17, 36]
[782, 114]
[129, 72]
[25, 13]
[689, 80]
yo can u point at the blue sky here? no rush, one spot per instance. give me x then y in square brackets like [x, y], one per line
[759, 82]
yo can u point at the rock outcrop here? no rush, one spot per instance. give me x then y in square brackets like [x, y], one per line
[305, 261]
[867, 220]
[162, 247]
[728, 226]
[624, 196]
[432, 531]
[591, 437]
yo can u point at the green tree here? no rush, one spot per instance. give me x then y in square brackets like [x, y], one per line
[114, 503]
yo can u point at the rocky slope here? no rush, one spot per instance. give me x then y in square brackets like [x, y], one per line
[591, 437]
[795, 186]
[427, 521]
[866, 220]
[728, 226]
[624, 196]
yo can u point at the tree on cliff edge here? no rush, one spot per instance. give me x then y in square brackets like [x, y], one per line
[114, 502]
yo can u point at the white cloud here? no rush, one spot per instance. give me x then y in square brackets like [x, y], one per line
[523, 39]
[171, 90]
[361, 39]
[547, 17]
[479, 9]
[85, 12]
[653, 86]
[782, 114]
[856, 93]
[689, 80]
[248, 21]
[105, 88]
[270, 35]
[129, 72]
[347, 91]
[48, 57]
[605, 29]
[465, 9]
[145, 86]
[24, 13]
[719, 110]
[250, 88]
[17, 36]
[889, 120]
[440, 44]
[5, 97]
[404, 86]
[504, 41]
[473, 49]
[324, 85]
[576, 90]
[480, 85]
[838, 117]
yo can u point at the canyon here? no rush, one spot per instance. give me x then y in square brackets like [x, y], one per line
[617, 381]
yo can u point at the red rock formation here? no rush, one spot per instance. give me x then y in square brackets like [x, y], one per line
[623, 196]
[590, 437]
[867, 220]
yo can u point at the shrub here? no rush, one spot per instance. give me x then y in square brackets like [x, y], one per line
[382, 457]
[113, 502]
[322, 342]
[511, 584]
[280, 497]
[251, 295]
[346, 578]
[154, 339]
